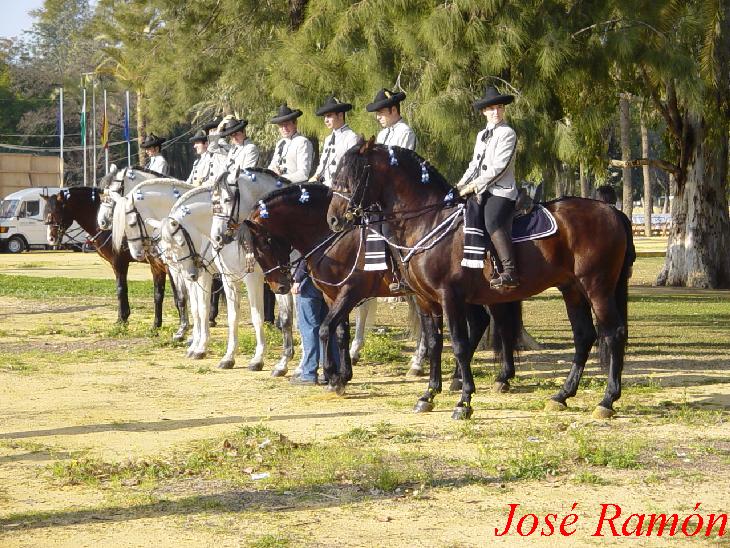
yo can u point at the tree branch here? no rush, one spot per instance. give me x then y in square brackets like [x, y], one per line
[661, 164]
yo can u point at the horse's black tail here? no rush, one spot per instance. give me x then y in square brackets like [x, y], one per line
[507, 328]
[621, 294]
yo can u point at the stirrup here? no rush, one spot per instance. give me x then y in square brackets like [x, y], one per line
[398, 286]
[504, 281]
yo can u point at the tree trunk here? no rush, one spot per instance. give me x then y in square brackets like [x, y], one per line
[698, 251]
[296, 13]
[140, 128]
[584, 187]
[627, 201]
[647, 177]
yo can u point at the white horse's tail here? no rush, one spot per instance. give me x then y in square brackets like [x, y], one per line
[119, 220]
[414, 321]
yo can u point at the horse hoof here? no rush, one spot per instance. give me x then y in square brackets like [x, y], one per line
[256, 366]
[354, 358]
[423, 406]
[501, 387]
[415, 371]
[456, 385]
[603, 413]
[212, 323]
[554, 405]
[340, 390]
[279, 372]
[178, 337]
[226, 364]
[198, 355]
[462, 413]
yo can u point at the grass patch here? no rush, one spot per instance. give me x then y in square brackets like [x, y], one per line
[270, 541]
[259, 450]
[381, 348]
[586, 477]
[30, 287]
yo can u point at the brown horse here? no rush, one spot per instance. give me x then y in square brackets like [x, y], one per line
[81, 204]
[590, 271]
[336, 265]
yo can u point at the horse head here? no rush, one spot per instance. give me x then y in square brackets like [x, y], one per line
[271, 253]
[177, 245]
[58, 218]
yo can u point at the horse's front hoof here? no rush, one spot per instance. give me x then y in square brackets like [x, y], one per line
[279, 372]
[178, 336]
[423, 406]
[354, 358]
[462, 413]
[554, 405]
[456, 385]
[226, 364]
[255, 366]
[340, 390]
[415, 371]
[603, 413]
[212, 323]
[501, 387]
[198, 355]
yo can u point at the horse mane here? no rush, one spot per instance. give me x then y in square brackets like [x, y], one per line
[266, 171]
[416, 161]
[166, 180]
[119, 219]
[189, 194]
[95, 192]
[285, 191]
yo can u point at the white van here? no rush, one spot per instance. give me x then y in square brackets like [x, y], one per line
[22, 225]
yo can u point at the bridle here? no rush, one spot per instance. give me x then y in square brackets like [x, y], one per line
[196, 257]
[232, 219]
[355, 209]
[144, 236]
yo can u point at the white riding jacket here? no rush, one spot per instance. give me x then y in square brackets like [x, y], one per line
[492, 167]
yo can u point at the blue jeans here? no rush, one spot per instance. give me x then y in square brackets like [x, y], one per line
[311, 310]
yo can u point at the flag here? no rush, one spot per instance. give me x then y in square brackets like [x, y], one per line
[83, 121]
[104, 132]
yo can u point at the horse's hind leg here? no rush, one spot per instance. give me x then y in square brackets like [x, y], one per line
[477, 320]
[121, 268]
[584, 335]
[179, 293]
[158, 278]
[286, 307]
[364, 313]
[433, 331]
[416, 328]
[232, 288]
[507, 326]
[255, 289]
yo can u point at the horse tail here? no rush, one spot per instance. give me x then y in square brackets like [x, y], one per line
[414, 319]
[506, 331]
[119, 220]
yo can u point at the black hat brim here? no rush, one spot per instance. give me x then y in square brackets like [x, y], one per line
[153, 143]
[198, 139]
[339, 107]
[479, 104]
[211, 125]
[231, 130]
[389, 102]
[291, 116]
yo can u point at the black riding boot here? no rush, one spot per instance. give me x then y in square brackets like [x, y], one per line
[502, 240]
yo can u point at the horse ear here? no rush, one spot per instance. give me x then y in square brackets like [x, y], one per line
[154, 223]
[113, 169]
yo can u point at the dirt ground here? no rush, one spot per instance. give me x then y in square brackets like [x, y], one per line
[90, 395]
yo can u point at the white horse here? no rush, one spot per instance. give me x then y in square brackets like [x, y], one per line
[186, 233]
[151, 199]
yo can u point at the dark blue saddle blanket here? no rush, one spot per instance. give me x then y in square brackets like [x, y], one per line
[539, 223]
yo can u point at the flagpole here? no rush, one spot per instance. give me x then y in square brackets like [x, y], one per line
[126, 127]
[93, 122]
[60, 135]
[106, 147]
[83, 132]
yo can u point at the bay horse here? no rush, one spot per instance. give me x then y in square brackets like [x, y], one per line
[590, 271]
[335, 262]
[81, 204]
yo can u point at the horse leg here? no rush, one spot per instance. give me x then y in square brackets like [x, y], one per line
[421, 352]
[215, 296]
[286, 307]
[192, 290]
[121, 268]
[255, 289]
[232, 290]
[507, 327]
[179, 292]
[584, 335]
[367, 310]
[201, 286]
[331, 335]
[455, 309]
[612, 328]
[477, 320]
[158, 279]
[343, 340]
[433, 327]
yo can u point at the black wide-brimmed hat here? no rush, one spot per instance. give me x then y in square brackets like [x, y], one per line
[200, 137]
[232, 126]
[212, 124]
[492, 97]
[332, 104]
[284, 114]
[152, 140]
[385, 98]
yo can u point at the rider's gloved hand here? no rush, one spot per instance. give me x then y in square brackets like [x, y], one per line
[469, 188]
